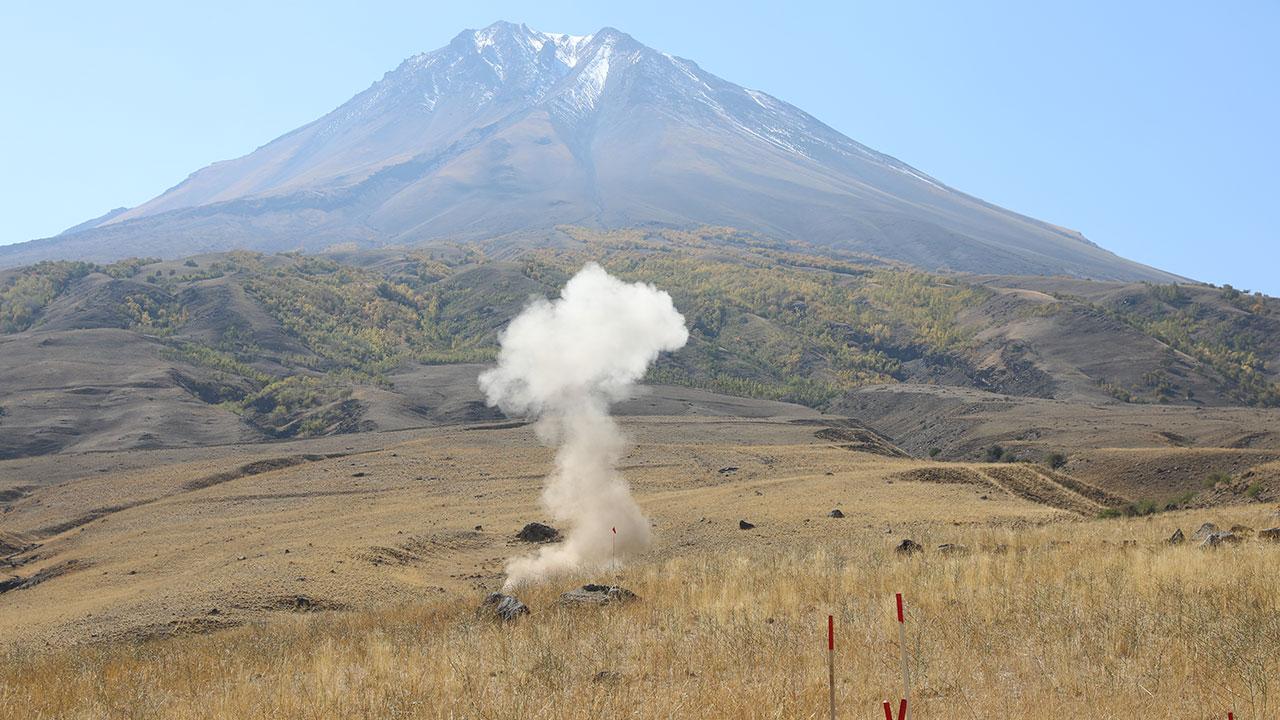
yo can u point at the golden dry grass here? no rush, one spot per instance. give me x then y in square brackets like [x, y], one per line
[1063, 622]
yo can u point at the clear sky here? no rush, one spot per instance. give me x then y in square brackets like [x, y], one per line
[1152, 127]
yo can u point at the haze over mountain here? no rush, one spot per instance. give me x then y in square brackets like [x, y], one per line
[511, 130]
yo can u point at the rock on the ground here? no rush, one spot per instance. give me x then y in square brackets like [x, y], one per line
[1270, 534]
[835, 513]
[1177, 538]
[504, 607]
[908, 547]
[536, 532]
[744, 525]
[1242, 530]
[953, 549]
[1205, 531]
[1218, 539]
[593, 594]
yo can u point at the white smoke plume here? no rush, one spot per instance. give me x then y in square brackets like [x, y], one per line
[565, 362]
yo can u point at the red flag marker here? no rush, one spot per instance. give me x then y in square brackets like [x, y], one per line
[902, 710]
[906, 673]
[831, 662]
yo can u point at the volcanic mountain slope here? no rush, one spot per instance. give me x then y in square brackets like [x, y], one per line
[510, 130]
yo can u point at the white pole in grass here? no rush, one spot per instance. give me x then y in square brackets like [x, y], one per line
[906, 673]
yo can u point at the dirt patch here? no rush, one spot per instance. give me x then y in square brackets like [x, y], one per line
[419, 549]
[499, 426]
[1030, 484]
[1175, 439]
[944, 475]
[13, 543]
[852, 435]
[302, 604]
[42, 576]
[85, 519]
[254, 468]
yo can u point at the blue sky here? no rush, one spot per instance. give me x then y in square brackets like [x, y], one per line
[1150, 127]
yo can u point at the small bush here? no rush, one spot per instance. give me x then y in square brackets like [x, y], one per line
[1055, 460]
[994, 453]
[1215, 478]
[934, 452]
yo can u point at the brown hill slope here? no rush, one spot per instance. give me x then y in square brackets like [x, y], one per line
[237, 347]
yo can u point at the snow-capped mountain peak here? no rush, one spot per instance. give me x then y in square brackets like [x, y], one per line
[510, 129]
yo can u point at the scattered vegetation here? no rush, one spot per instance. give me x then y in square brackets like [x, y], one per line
[26, 292]
[771, 323]
[767, 319]
[1055, 460]
[1234, 345]
[1217, 478]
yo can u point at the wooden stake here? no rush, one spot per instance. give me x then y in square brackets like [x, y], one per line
[831, 662]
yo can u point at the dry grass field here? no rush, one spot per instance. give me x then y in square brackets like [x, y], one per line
[339, 578]
[1050, 622]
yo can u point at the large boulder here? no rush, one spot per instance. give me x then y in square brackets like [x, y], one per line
[536, 532]
[504, 607]
[592, 594]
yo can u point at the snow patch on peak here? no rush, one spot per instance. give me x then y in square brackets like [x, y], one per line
[485, 37]
[588, 86]
[568, 47]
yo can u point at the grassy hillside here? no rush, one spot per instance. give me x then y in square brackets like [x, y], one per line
[282, 340]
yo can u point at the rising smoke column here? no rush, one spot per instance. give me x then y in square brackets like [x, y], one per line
[565, 362]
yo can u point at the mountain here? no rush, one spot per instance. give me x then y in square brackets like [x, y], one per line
[248, 347]
[509, 131]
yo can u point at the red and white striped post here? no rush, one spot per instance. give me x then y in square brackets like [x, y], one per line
[906, 673]
[831, 662]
